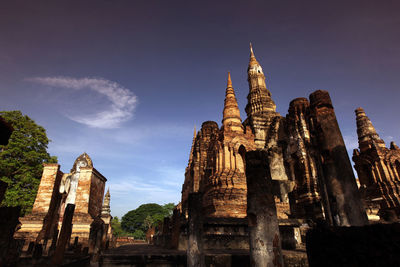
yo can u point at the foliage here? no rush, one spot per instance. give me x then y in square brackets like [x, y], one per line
[145, 216]
[117, 229]
[21, 160]
[148, 222]
[139, 234]
[169, 208]
[116, 226]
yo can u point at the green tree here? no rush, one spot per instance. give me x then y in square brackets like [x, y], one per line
[21, 160]
[169, 208]
[116, 226]
[135, 219]
[139, 234]
[148, 222]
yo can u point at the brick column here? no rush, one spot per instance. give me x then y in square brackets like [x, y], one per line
[265, 244]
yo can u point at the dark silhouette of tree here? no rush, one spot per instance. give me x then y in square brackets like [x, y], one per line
[21, 161]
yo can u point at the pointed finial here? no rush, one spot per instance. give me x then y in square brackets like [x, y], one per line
[229, 80]
[251, 51]
[194, 132]
[108, 192]
[367, 135]
[253, 60]
[231, 114]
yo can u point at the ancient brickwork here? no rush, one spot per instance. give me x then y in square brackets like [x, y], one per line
[378, 169]
[83, 187]
[97, 188]
[260, 108]
[269, 131]
[216, 166]
[42, 222]
[48, 188]
[342, 194]
[106, 217]
[311, 174]
[303, 159]
[265, 244]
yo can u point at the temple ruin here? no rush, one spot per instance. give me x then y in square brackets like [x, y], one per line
[378, 169]
[83, 188]
[255, 192]
[312, 177]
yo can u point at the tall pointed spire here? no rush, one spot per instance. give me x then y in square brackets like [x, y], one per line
[367, 135]
[229, 83]
[253, 60]
[105, 210]
[231, 114]
[251, 51]
[259, 97]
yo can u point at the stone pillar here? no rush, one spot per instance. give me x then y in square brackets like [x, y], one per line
[345, 202]
[65, 234]
[265, 244]
[176, 226]
[95, 238]
[195, 253]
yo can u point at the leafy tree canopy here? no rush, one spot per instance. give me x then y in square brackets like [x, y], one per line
[139, 234]
[21, 160]
[116, 226]
[145, 216]
[117, 229]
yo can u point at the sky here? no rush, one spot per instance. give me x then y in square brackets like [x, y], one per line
[126, 81]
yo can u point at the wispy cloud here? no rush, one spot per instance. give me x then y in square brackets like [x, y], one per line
[122, 101]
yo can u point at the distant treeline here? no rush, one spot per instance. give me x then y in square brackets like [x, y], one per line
[136, 222]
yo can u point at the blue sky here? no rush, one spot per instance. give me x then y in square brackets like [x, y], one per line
[126, 81]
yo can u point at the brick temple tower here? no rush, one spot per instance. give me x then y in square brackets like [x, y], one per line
[378, 169]
[227, 164]
[216, 162]
[260, 108]
[83, 187]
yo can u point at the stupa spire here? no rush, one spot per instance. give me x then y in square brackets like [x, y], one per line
[253, 60]
[367, 135]
[259, 97]
[231, 114]
[105, 210]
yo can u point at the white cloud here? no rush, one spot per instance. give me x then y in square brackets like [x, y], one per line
[121, 106]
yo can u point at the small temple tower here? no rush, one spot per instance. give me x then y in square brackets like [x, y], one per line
[106, 217]
[83, 187]
[105, 210]
[216, 163]
[260, 108]
[268, 127]
[228, 173]
[378, 169]
[231, 115]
